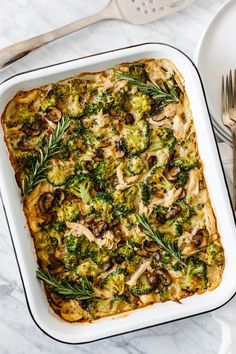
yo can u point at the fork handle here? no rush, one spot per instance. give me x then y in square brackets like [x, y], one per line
[234, 165]
[15, 52]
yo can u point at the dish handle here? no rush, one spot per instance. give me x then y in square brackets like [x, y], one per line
[226, 317]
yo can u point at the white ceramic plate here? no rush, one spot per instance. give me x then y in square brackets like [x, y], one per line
[22, 241]
[215, 56]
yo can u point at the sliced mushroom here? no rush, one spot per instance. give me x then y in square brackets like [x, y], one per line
[59, 195]
[175, 210]
[200, 238]
[172, 173]
[100, 228]
[150, 246]
[152, 160]
[31, 130]
[53, 114]
[165, 277]
[72, 311]
[25, 145]
[45, 202]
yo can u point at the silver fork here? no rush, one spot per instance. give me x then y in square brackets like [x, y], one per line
[229, 117]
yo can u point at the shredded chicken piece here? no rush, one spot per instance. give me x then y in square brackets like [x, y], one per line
[107, 240]
[78, 230]
[119, 172]
[209, 219]
[28, 97]
[171, 196]
[147, 299]
[134, 278]
[193, 184]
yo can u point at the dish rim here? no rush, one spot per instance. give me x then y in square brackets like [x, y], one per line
[221, 164]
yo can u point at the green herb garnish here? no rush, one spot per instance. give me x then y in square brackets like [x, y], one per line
[37, 174]
[66, 289]
[163, 95]
[165, 244]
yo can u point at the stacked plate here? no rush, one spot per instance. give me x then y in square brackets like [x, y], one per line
[215, 56]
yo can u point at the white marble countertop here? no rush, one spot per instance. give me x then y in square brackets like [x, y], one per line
[21, 19]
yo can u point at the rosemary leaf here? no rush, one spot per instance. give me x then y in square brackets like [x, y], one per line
[164, 243]
[37, 174]
[162, 95]
[66, 289]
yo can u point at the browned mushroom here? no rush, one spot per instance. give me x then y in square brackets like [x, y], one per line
[31, 130]
[129, 119]
[154, 279]
[59, 195]
[150, 246]
[100, 228]
[175, 210]
[152, 160]
[172, 173]
[53, 114]
[45, 202]
[165, 276]
[200, 237]
[25, 145]
[182, 195]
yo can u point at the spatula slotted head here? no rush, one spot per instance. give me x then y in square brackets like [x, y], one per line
[140, 12]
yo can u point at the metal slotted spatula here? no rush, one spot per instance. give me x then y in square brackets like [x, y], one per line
[137, 12]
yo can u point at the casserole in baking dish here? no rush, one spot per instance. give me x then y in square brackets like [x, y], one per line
[161, 246]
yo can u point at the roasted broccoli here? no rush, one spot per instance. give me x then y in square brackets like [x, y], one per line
[68, 212]
[137, 138]
[124, 200]
[182, 179]
[196, 275]
[51, 99]
[185, 165]
[144, 193]
[115, 282]
[72, 243]
[80, 185]
[70, 261]
[214, 254]
[143, 286]
[105, 170]
[140, 105]
[102, 206]
[162, 138]
[136, 166]
[99, 255]
[126, 252]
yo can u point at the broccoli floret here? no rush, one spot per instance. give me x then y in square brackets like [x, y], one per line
[80, 186]
[102, 206]
[124, 200]
[71, 244]
[105, 170]
[163, 137]
[178, 228]
[87, 268]
[182, 179]
[144, 193]
[75, 108]
[136, 166]
[196, 275]
[137, 138]
[140, 105]
[126, 251]
[138, 71]
[157, 180]
[115, 282]
[70, 262]
[68, 212]
[26, 159]
[214, 254]
[185, 165]
[57, 226]
[143, 287]
[47, 243]
[50, 100]
[99, 255]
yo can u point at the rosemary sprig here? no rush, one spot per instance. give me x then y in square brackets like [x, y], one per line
[163, 95]
[37, 174]
[164, 243]
[66, 289]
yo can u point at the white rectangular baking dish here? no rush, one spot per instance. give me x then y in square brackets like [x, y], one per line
[21, 239]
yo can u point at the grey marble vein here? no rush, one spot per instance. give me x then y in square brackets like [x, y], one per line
[20, 19]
